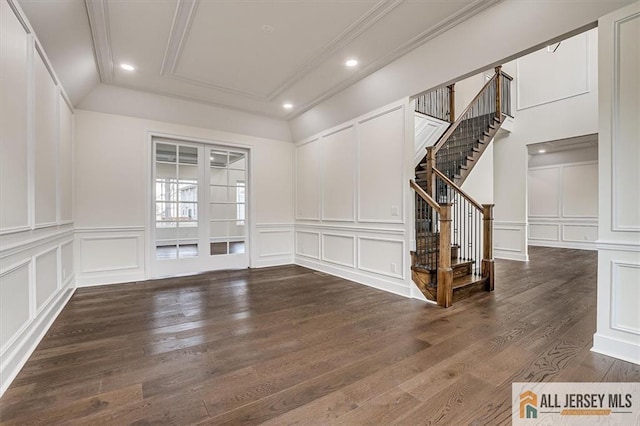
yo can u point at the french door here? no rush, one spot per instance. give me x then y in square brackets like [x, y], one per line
[199, 196]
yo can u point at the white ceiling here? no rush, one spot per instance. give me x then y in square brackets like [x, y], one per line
[63, 29]
[568, 144]
[217, 52]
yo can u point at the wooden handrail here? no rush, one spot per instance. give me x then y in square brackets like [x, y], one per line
[466, 196]
[424, 195]
[460, 119]
[507, 76]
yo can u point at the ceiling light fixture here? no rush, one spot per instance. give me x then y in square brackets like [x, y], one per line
[287, 105]
[542, 151]
[351, 63]
[127, 67]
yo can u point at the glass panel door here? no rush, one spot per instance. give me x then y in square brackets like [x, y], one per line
[199, 207]
[227, 207]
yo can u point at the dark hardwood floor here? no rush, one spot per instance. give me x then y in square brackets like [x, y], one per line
[288, 345]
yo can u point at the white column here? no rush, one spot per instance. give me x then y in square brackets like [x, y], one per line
[618, 318]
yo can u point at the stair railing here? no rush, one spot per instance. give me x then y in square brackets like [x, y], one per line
[433, 250]
[446, 216]
[471, 227]
[438, 103]
[462, 137]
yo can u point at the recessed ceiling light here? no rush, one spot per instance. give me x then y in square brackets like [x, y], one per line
[542, 151]
[127, 67]
[287, 105]
[351, 63]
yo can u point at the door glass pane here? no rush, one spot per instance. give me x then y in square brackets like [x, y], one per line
[219, 248]
[188, 212]
[188, 155]
[187, 250]
[220, 211]
[166, 252]
[218, 230]
[188, 191]
[166, 153]
[166, 211]
[236, 177]
[237, 212]
[236, 246]
[218, 194]
[236, 230]
[218, 159]
[188, 174]
[218, 176]
[237, 161]
[166, 190]
[165, 170]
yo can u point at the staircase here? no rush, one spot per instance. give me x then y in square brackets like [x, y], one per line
[453, 258]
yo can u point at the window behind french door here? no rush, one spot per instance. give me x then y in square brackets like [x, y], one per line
[199, 195]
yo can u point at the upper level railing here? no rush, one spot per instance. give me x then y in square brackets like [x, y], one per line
[438, 103]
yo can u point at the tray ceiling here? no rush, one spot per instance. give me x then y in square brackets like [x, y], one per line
[255, 55]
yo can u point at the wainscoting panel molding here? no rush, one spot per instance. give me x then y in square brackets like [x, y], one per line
[110, 255]
[563, 205]
[510, 240]
[275, 245]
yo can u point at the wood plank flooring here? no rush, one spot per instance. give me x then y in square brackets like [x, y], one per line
[288, 345]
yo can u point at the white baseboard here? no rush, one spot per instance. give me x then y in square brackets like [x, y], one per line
[360, 278]
[266, 261]
[16, 355]
[564, 244]
[510, 255]
[104, 279]
[615, 348]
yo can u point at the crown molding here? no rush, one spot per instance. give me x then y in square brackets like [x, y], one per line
[470, 10]
[180, 27]
[366, 21]
[100, 31]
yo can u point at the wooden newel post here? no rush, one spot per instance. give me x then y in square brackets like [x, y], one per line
[499, 93]
[487, 249]
[431, 177]
[452, 103]
[445, 273]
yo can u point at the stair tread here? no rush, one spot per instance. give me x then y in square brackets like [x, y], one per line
[460, 263]
[466, 281]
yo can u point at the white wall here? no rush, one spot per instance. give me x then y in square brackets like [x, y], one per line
[36, 193]
[563, 200]
[618, 320]
[352, 199]
[479, 183]
[112, 174]
[569, 110]
[119, 100]
[475, 45]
